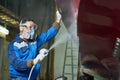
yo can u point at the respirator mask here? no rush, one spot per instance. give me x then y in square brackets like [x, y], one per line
[31, 34]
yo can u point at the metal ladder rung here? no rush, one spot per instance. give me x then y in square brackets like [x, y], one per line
[69, 47]
[71, 56]
[70, 65]
[67, 64]
[72, 48]
[75, 59]
[68, 73]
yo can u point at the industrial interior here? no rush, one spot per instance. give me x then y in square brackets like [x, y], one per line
[87, 46]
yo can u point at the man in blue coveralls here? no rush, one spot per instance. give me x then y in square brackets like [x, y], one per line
[23, 49]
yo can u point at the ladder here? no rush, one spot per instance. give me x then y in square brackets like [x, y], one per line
[70, 67]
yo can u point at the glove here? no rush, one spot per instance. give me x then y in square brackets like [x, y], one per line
[58, 16]
[42, 54]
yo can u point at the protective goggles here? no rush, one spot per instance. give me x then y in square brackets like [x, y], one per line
[34, 27]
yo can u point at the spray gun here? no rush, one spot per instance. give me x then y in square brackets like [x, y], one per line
[44, 51]
[42, 54]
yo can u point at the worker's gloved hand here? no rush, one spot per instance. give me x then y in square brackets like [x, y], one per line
[40, 56]
[58, 16]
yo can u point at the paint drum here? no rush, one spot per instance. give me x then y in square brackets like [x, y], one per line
[61, 78]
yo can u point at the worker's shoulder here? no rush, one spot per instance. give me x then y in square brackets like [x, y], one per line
[18, 42]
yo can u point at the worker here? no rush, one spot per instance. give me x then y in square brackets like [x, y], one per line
[23, 49]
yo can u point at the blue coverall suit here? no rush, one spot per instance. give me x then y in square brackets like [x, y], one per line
[20, 51]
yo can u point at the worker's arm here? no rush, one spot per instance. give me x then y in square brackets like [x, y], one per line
[51, 33]
[16, 61]
[57, 20]
[46, 36]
